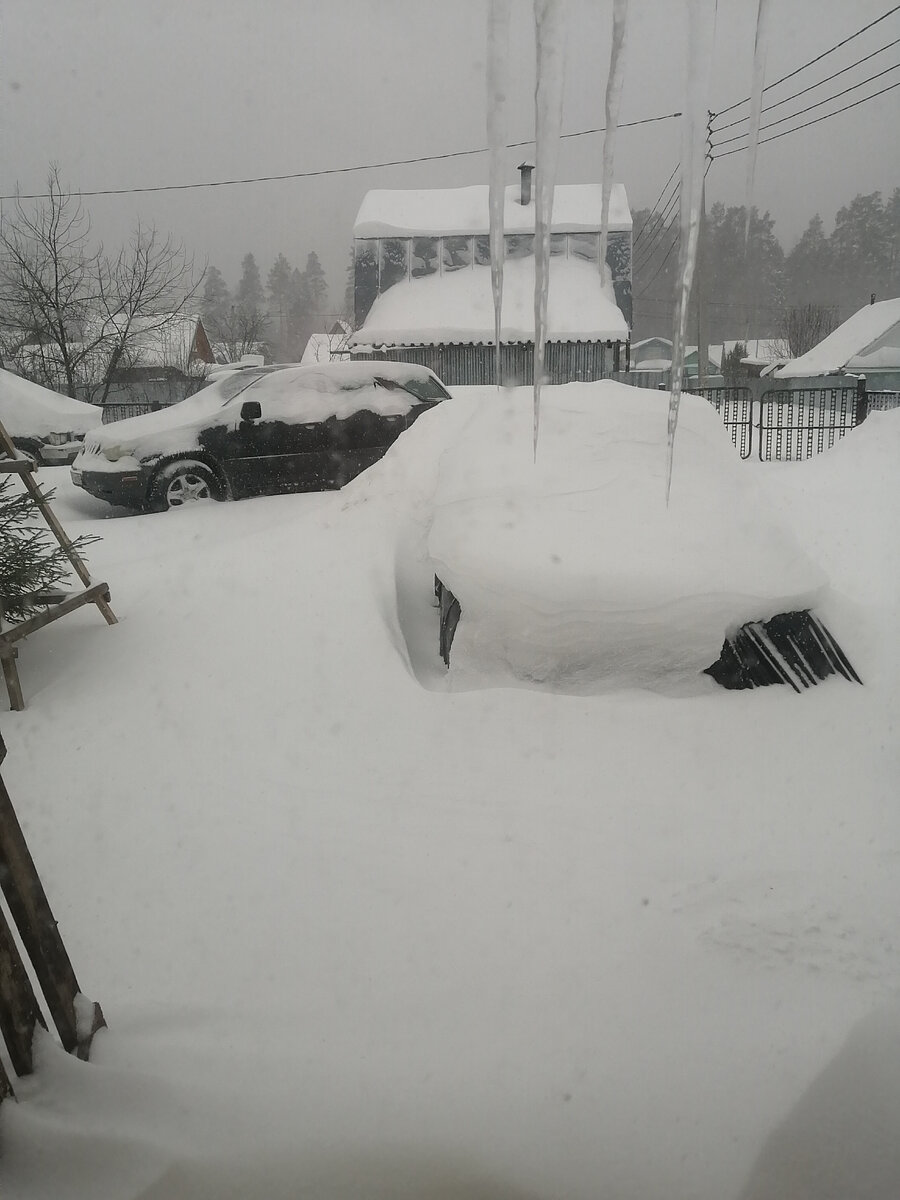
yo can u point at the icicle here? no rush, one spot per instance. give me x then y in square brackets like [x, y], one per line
[549, 18]
[613, 96]
[497, 86]
[701, 42]
[759, 75]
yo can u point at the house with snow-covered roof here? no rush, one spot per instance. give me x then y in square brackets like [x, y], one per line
[868, 343]
[422, 283]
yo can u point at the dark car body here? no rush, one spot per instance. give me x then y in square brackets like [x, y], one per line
[260, 432]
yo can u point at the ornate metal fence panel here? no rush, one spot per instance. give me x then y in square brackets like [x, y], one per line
[735, 406]
[796, 423]
[883, 401]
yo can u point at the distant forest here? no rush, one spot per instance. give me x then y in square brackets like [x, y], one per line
[748, 294]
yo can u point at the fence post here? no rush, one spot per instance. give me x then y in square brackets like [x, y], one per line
[862, 400]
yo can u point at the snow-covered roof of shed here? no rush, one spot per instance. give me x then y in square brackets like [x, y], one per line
[869, 339]
[447, 211]
[459, 307]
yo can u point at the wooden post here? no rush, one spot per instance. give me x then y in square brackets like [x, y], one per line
[37, 928]
[862, 400]
[19, 1011]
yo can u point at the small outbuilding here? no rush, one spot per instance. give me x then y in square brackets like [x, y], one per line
[422, 283]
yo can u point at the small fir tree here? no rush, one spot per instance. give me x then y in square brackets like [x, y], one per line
[30, 559]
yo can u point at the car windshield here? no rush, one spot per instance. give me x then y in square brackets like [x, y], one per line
[423, 387]
[233, 385]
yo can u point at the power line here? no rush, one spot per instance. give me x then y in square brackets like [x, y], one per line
[651, 228]
[648, 247]
[652, 279]
[815, 121]
[646, 257]
[812, 86]
[397, 162]
[818, 58]
[810, 107]
[665, 188]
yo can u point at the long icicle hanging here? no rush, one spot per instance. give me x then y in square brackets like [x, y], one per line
[497, 89]
[701, 42]
[760, 47]
[549, 19]
[613, 96]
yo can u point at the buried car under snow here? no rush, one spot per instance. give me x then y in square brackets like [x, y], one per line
[44, 424]
[570, 570]
[259, 432]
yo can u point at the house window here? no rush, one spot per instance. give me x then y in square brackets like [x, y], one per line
[394, 262]
[519, 245]
[585, 246]
[483, 251]
[425, 256]
[457, 253]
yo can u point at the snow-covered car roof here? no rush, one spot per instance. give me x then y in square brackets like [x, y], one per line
[29, 410]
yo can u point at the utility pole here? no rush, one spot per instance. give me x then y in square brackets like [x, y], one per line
[700, 270]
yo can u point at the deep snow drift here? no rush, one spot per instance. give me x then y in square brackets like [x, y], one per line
[358, 937]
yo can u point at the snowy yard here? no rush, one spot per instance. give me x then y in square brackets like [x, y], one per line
[360, 933]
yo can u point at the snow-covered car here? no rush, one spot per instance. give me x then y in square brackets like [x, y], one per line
[43, 424]
[571, 571]
[260, 431]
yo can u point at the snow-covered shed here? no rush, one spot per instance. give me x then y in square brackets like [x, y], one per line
[422, 285]
[868, 343]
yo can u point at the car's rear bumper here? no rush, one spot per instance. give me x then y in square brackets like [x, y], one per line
[60, 456]
[125, 488]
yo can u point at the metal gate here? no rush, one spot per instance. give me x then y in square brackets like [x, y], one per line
[796, 423]
[788, 424]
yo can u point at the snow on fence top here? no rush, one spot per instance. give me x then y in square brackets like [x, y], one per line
[448, 211]
[870, 338]
[443, 309]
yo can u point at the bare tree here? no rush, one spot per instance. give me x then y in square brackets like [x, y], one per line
[803, 327]
[71, 316]
[241, 330]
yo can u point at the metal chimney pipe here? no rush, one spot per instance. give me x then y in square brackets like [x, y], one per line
[525, 170]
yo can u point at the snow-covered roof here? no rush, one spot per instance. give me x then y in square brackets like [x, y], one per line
[163, 345]
[869, 340]
[321, 346]
[447, 211]
[459, 307]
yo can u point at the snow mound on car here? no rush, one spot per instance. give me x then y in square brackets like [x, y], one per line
[29, 410]
[571, 570]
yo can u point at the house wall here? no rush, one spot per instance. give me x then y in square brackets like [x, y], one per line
[379, 263]
[467, 365]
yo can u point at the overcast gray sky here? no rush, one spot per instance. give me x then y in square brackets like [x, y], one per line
[137, 93]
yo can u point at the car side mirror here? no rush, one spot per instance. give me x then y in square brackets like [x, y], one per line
[251, 410]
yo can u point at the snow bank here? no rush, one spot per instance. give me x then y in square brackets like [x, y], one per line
[573, 571]
[441, 212]
[27, 409]
[459, 307]
[849, 341]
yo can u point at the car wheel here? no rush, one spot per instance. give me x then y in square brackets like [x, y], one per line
[183, 483]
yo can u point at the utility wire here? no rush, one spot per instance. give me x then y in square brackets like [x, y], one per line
[653, 223]
[812, 86]
[397, 162]
[659, 224]
[650, 282]
[810, 107]
[663, 233]
[640, 232]
[818, 58]
[815, 121]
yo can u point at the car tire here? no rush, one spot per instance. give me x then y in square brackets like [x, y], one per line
[181, 483]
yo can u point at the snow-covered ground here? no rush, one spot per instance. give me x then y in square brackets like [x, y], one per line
[357, 933]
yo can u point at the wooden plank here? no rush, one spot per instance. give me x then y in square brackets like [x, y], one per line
[95, 594]
[16, 466]
[11, 678]
[6, 1088]
[38, 930]
[19, 1012]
